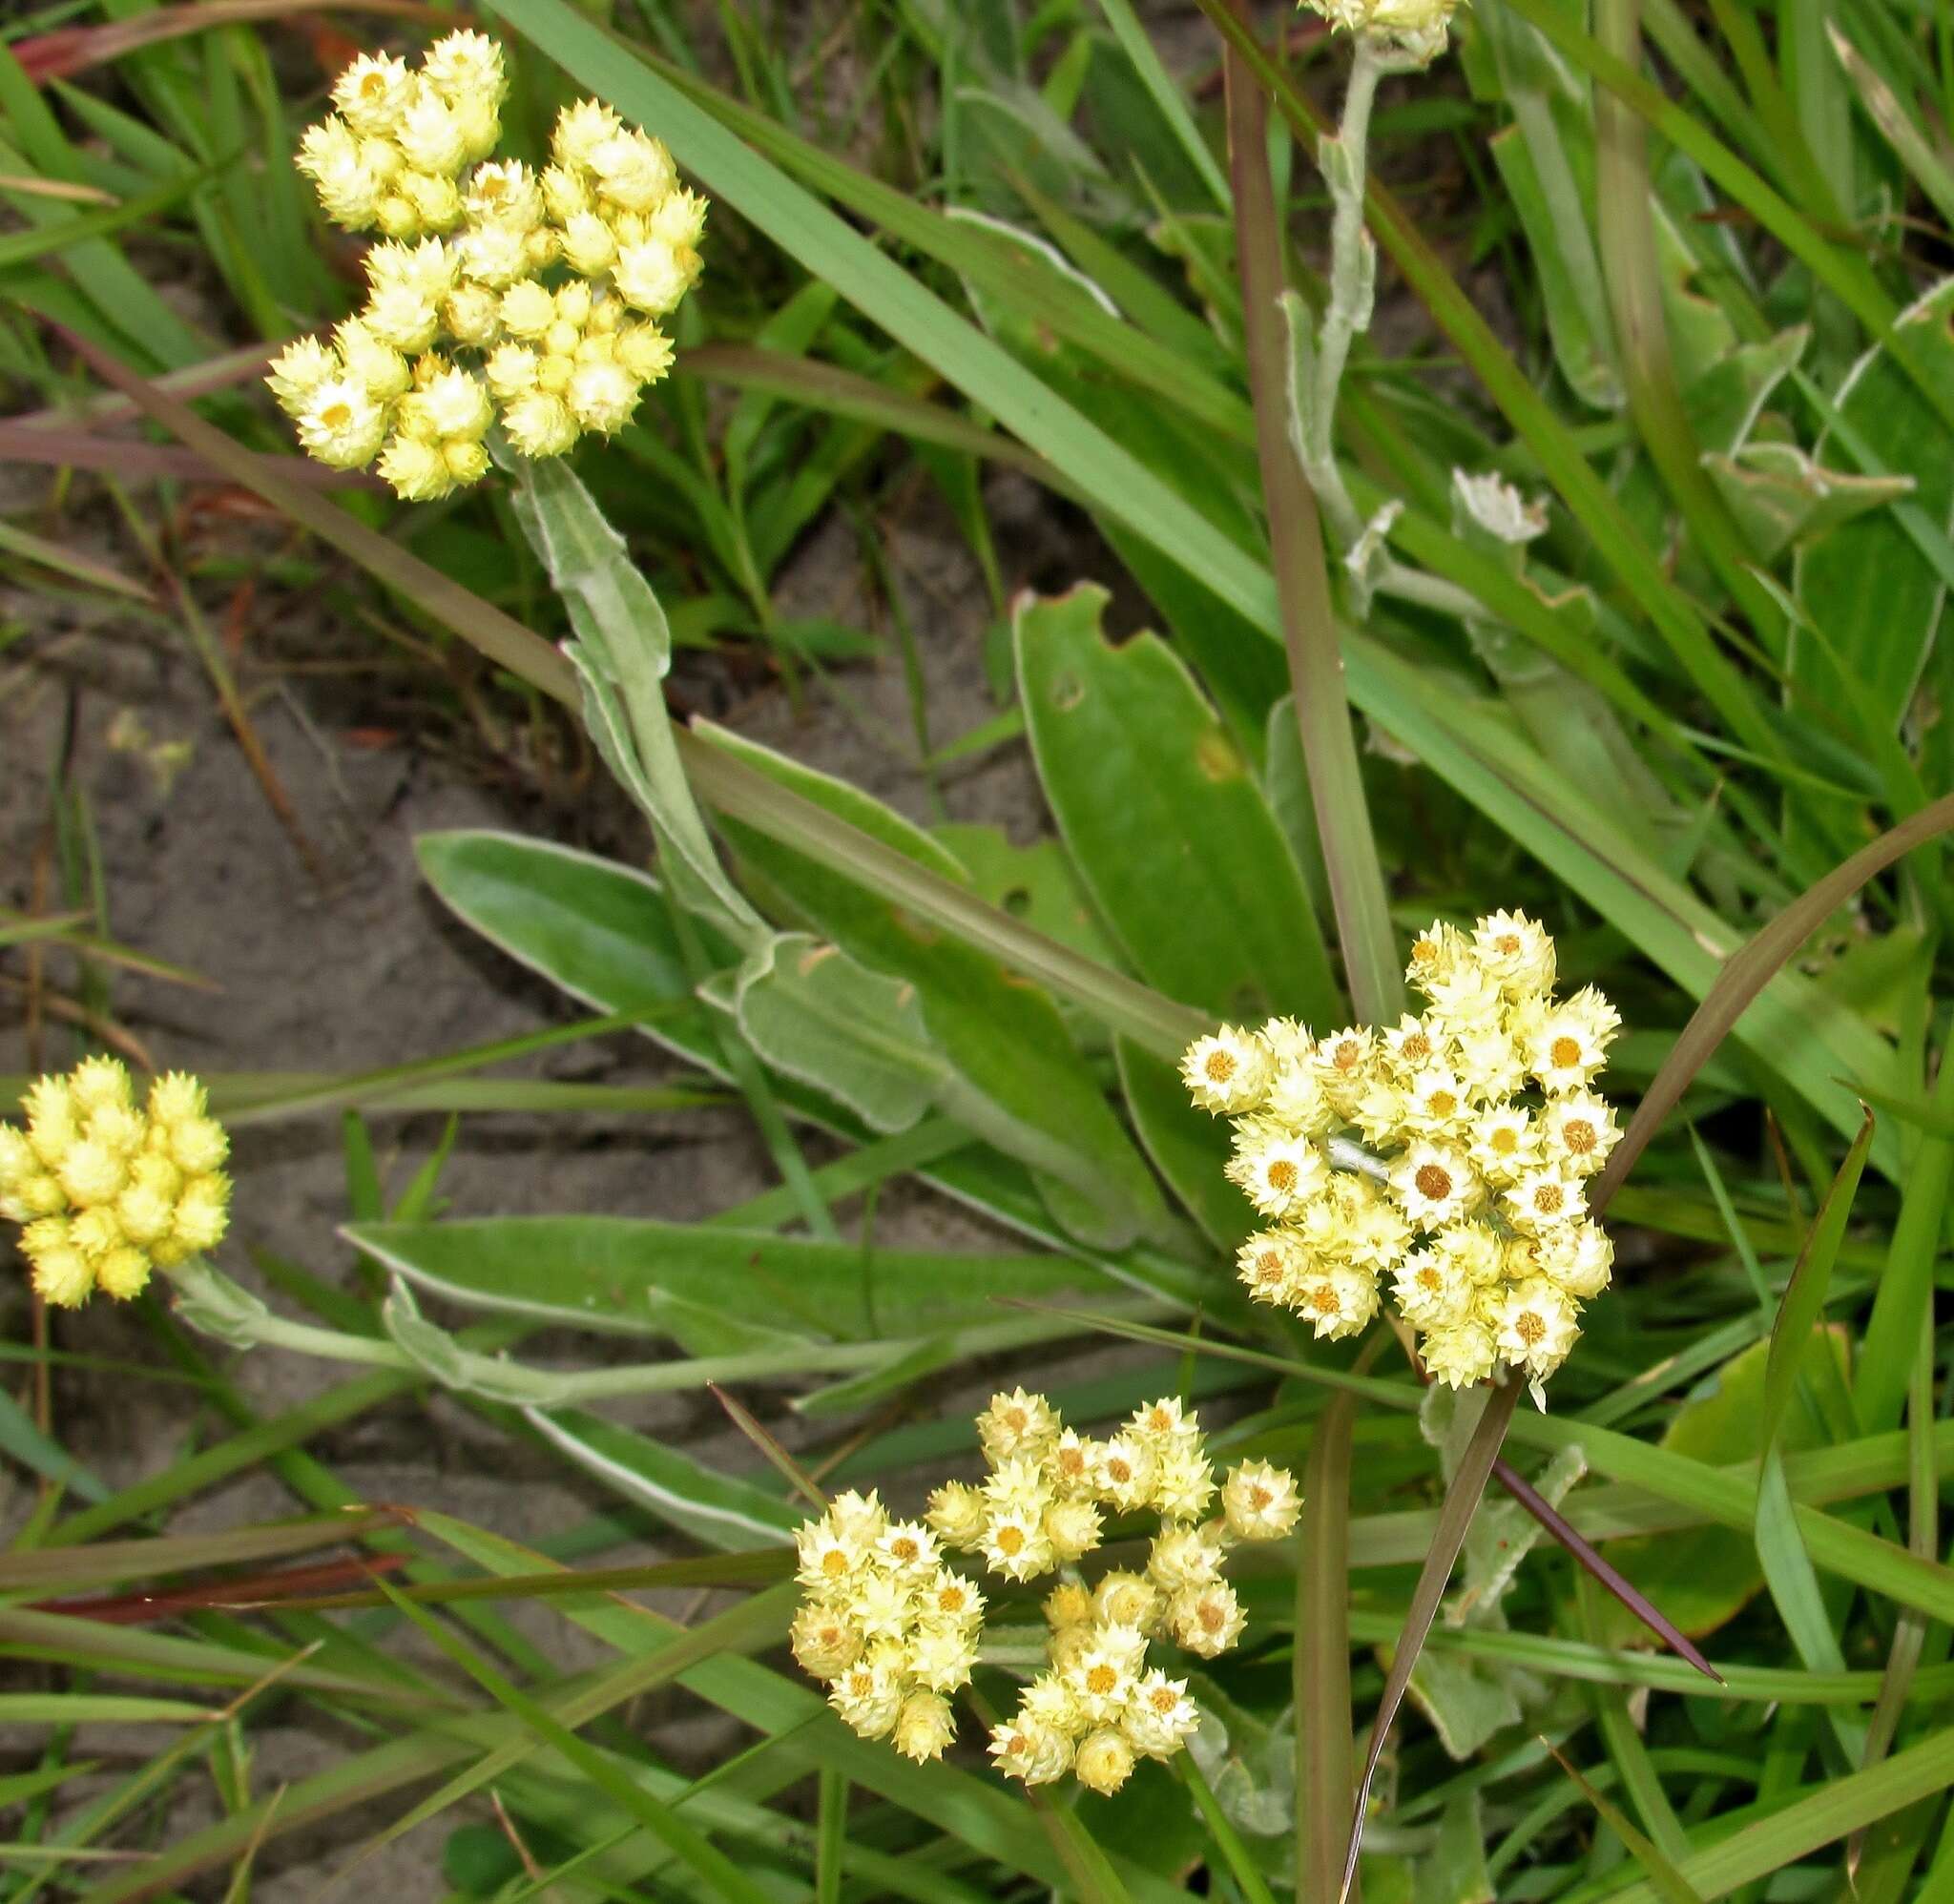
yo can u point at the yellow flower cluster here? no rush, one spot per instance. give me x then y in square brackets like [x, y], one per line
[466, 242]
[891, 1630]
[885, 1625]
[1099, 1706]
[108, 1192]
[1450, 1154]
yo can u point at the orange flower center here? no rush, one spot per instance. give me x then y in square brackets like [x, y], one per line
[1220, 1066]
[1281, 1176]
[1101, 1679]
[1579, 1135]
[1565, 1051]
[1433, 1182]
[1010, 1540]
[1547, 1199]
[1529, 1327]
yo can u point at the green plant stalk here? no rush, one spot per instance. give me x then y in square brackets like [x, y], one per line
[1303, 583]
[210, 1302]
[1342, 158]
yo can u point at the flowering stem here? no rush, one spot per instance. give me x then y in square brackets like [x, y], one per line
[1013, 1652]
[1342, 158]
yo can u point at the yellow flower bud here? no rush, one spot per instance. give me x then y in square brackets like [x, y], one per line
[528, 310]
[1104, 1762]
[415, 470]
[539, 424]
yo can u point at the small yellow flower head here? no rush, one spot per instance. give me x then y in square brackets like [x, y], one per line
[107, 1190]
[1447, 1155]
[373, 92]
[1032, 1750]
[1260, 1501]
[1228, 1071]
[923, 1727]
[1159, 1717]
[1104, 1761]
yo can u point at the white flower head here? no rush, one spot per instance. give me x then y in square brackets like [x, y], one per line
[1505, 1144]
[1101, 1679]
[1337, 1301]
[1435, 1184]
[1343, 1065]
[1159, 1717]
[823, 1640]
[1183, 1556]
[1278, 1172]
[1516, 952]
[1435, 1103]
[1015, 1544]
[908, 1549]
[373, 92]
[1206, 1619]
[1431, 1290]
[1073, 1528]
[867, 1698]
[1259, 1502]
[1545, 1200]
[1460, 1354]
[340, 425]
[1579, 1131]
[1129, 1600]
[1272, 1264]
[467, 65]
[1032, 1750]
[1017, 1424]
[1183, 1483]
[957, 1513]
[1125, 1476]
[1565, 1050]
[1578, 1258]
[1536, 1326]
[1227, 1071]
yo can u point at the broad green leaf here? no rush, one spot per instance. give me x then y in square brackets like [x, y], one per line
[1453, 1871]
[1019, 1082]
[1037, 882]
[1140, 774]
[1703, 1577]
[717, 1510]
[616, 1274]
[1866, 583]
[814, 1014]
[604, 934]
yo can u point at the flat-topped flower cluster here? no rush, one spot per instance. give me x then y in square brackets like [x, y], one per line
[892, 1630]
[106, 1191]
[461, 327]
[1450, 1154]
